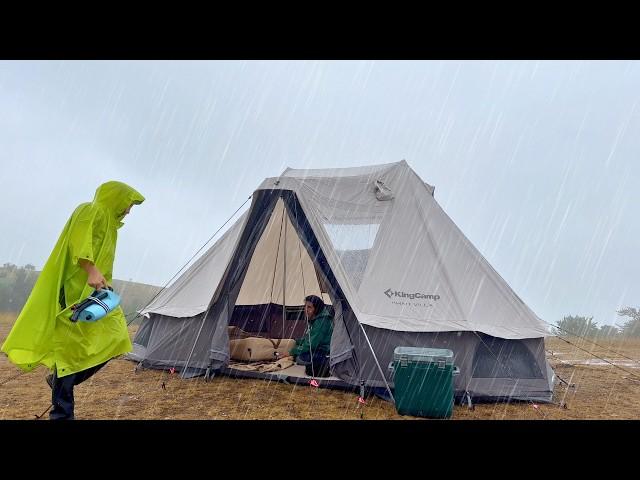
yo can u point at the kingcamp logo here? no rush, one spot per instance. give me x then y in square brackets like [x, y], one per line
[411, 296]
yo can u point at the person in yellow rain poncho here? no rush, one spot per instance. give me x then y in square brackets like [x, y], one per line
[81, 261]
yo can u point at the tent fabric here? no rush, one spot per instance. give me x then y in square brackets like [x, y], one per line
[191, 293]
[397, 270]
[454, 287]
[279, 249]
[417, 250]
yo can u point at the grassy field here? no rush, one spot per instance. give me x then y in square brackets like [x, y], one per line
[117, 392]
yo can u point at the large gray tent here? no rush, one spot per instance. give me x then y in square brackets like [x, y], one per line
[394, 267]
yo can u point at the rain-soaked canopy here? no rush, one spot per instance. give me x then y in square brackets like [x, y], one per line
[396, 269]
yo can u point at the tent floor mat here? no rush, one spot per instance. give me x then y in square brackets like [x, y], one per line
[292, 375]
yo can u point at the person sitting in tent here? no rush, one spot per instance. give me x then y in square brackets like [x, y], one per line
[81, 261]
[312, 350]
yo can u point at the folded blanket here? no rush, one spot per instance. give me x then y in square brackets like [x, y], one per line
[262, 367]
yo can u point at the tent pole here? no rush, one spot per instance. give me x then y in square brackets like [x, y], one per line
[284, 281]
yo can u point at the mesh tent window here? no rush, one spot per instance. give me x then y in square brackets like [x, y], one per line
[503, 358]
[353, 243]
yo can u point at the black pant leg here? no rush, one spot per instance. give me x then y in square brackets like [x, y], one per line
[321, 364]
[85, 374]
[62, 392]
[62, 398]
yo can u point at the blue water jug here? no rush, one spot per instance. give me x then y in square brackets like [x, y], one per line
[95, 306]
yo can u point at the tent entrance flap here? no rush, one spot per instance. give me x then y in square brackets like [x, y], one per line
[280, 271]
[280, 275]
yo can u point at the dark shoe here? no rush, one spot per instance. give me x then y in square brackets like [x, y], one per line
[50, 380]
[321, 370]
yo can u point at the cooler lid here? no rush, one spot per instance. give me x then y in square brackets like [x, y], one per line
[418, 354]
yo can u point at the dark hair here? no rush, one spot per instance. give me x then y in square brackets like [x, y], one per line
[316, 301]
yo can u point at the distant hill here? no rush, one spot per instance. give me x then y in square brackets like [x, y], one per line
[17, 282]
[134, 295]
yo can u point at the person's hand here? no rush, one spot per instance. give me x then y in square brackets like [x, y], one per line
[95, 278]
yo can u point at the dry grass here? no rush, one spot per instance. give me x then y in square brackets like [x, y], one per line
[117, 392]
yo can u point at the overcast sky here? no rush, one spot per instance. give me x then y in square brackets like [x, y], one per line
[536, 162]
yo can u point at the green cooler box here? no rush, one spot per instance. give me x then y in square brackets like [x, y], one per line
[423, 379]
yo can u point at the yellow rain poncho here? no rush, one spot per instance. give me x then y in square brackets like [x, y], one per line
[43, 333]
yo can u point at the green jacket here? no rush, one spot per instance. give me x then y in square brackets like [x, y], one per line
[319, 337]
[43, 333]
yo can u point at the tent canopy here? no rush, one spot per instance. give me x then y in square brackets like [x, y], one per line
[374, 243]
[402, 263]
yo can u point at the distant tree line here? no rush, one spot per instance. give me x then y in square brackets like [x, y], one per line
[632, 327]
[17, 282]
[15, 285]
[586, 327]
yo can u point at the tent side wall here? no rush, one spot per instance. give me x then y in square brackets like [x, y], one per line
[191, 292]
[201, 342]
[220, 312]
[490, 367]
[165, 342]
